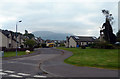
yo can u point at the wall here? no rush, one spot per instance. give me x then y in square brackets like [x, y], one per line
[3, 40]
[72, 42]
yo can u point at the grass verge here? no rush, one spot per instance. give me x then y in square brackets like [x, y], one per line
[102, 58]
[11, 54]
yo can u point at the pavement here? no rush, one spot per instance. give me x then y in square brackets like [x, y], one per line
[58, 68]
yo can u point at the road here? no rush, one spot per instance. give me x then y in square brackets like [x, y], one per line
[27, 66]
[52, 62]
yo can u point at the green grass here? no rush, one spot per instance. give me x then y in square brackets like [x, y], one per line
[102, 58]
[11, 54]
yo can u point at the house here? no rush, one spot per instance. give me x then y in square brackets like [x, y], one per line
[8, 39]
[76, 41]
[39, 40]
[56, 43]
[50, 44]
[3, 40]
[20, 40]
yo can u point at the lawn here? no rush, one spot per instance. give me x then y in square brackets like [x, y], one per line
[102, 58]
[19, 53]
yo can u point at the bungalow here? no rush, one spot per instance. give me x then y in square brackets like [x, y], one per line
[76, 41]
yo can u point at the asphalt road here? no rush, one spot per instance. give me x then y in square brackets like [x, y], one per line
[27, 66]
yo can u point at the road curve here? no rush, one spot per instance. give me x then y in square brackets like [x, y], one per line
[29, 64]
[57, 67]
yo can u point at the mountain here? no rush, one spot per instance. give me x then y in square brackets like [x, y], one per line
[51, 35]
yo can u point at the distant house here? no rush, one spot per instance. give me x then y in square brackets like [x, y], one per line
[56, 43]
[76, 41]
[50, 44]
[39, 40]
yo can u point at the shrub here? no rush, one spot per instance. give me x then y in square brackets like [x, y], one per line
[43, 45]
[2, 48]
[93, 45]
[109, 46]
[62, 45]
[102, 45]
[29, 42]
[83, 47]
[37, 46]
[22, 46]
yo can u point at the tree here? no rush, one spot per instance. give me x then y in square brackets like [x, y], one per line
[107, 28]
[29, 42]
[26, 32]
[118, 36]
[29, 35]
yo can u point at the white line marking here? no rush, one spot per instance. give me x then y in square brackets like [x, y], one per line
[15, 76]
[23, 74]
[9, 71]
[1, 73]
[40, 76]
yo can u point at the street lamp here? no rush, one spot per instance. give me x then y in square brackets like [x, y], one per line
[16, 36]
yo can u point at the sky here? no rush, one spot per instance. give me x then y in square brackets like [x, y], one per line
[78, 17]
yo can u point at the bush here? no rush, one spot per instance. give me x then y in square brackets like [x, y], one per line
[29, 42]
[37, 46]
[62, 45]
[2, 48]
[93, 45]
[102, 45]
[109, 46]
[43, 45]
[83, 47]
[22, 46]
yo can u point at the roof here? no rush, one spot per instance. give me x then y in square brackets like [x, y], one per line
[50, 43]
[7, 33]
[83, 38]
[13, 34]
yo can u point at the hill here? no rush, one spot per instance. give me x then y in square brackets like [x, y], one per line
[51, 35]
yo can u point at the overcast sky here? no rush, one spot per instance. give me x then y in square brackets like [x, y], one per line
[79, 17]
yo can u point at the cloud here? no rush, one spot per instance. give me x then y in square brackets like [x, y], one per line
[80, 17]
[85, 19]
[4, 19]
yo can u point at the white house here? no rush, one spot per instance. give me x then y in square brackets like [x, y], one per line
[75, 41]
[8, 39]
